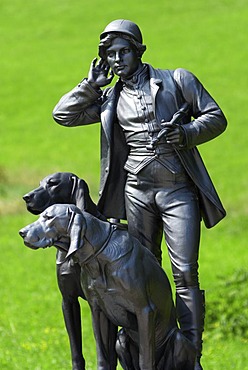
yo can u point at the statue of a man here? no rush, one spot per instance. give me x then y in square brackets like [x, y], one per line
[157, 188]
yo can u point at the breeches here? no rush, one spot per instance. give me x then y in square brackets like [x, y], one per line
[157, 201]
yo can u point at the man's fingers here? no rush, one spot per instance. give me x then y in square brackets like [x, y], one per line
[101, 63]
[107, 67]
[93, 63]
[173, 133]
[168, 125]
[111, 76]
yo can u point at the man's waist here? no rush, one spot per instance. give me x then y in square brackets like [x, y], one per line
[135, 162]
[140, 149]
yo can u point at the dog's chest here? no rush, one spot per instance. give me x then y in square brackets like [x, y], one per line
[114, 305]
[96, 277]
[101, 290]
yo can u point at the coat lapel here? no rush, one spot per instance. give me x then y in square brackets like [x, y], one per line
[108, 111]
[155, 84]
[161, 94]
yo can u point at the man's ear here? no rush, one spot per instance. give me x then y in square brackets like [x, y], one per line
[76, 231]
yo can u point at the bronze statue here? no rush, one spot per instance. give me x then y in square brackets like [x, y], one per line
[156, 185]
[66, 187]
[124, 286]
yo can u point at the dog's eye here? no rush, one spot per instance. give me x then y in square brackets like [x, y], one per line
[52, 182]
[48, 217]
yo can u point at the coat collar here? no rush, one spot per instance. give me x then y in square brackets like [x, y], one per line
[155, 82]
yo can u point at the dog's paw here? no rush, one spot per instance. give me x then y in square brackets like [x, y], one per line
[78, 365]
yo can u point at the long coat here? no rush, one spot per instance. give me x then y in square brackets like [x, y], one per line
[169, 90]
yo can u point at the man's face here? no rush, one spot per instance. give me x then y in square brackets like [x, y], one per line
[122, 57]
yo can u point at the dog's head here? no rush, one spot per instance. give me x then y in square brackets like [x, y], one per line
[60, 225]
[59, 187]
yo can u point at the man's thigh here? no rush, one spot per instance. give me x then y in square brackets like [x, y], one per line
[181, 223]
[144, 221]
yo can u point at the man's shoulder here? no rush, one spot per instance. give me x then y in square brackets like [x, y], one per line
[177, 74]
[182, 73]
[156, 72]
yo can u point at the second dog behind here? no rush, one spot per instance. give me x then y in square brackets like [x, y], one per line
[66, 187]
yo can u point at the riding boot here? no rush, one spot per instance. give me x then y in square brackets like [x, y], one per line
[190, 305]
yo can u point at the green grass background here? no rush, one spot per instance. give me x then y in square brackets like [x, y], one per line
[46, 49]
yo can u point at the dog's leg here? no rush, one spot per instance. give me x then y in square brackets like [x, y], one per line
[69, 285]
[105, 335]
[128, 353]
[146, 328]
[72, 318]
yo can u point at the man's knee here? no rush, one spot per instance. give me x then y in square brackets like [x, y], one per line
[186, 277]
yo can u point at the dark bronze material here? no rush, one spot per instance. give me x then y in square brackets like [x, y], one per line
[65, 187]
[124, 286]
[174, 121]
[152, 173]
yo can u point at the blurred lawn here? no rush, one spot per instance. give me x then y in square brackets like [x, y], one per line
[46, 49]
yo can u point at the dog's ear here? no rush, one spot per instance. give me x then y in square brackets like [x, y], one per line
[81, 196]
[79, 192]
[76, 230]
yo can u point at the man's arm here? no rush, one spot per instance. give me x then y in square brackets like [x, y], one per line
[209, 121]
[82, 105]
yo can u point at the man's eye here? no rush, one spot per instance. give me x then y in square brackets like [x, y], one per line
[110, 55]
[126, 51]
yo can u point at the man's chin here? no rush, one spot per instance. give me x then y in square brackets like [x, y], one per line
[121, 72]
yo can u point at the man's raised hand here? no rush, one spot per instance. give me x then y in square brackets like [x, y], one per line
[99, 74]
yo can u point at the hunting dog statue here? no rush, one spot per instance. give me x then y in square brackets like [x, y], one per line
[66, 187]
[124, 285]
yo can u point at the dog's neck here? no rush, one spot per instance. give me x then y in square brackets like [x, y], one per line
[62, 243]
[96, 231]
[96, 235]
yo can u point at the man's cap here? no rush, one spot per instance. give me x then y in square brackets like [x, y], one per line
[123, 26]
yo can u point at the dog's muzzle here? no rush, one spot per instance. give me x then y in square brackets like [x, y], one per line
[33, 241]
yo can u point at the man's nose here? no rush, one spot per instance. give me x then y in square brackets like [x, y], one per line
[117, 56]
